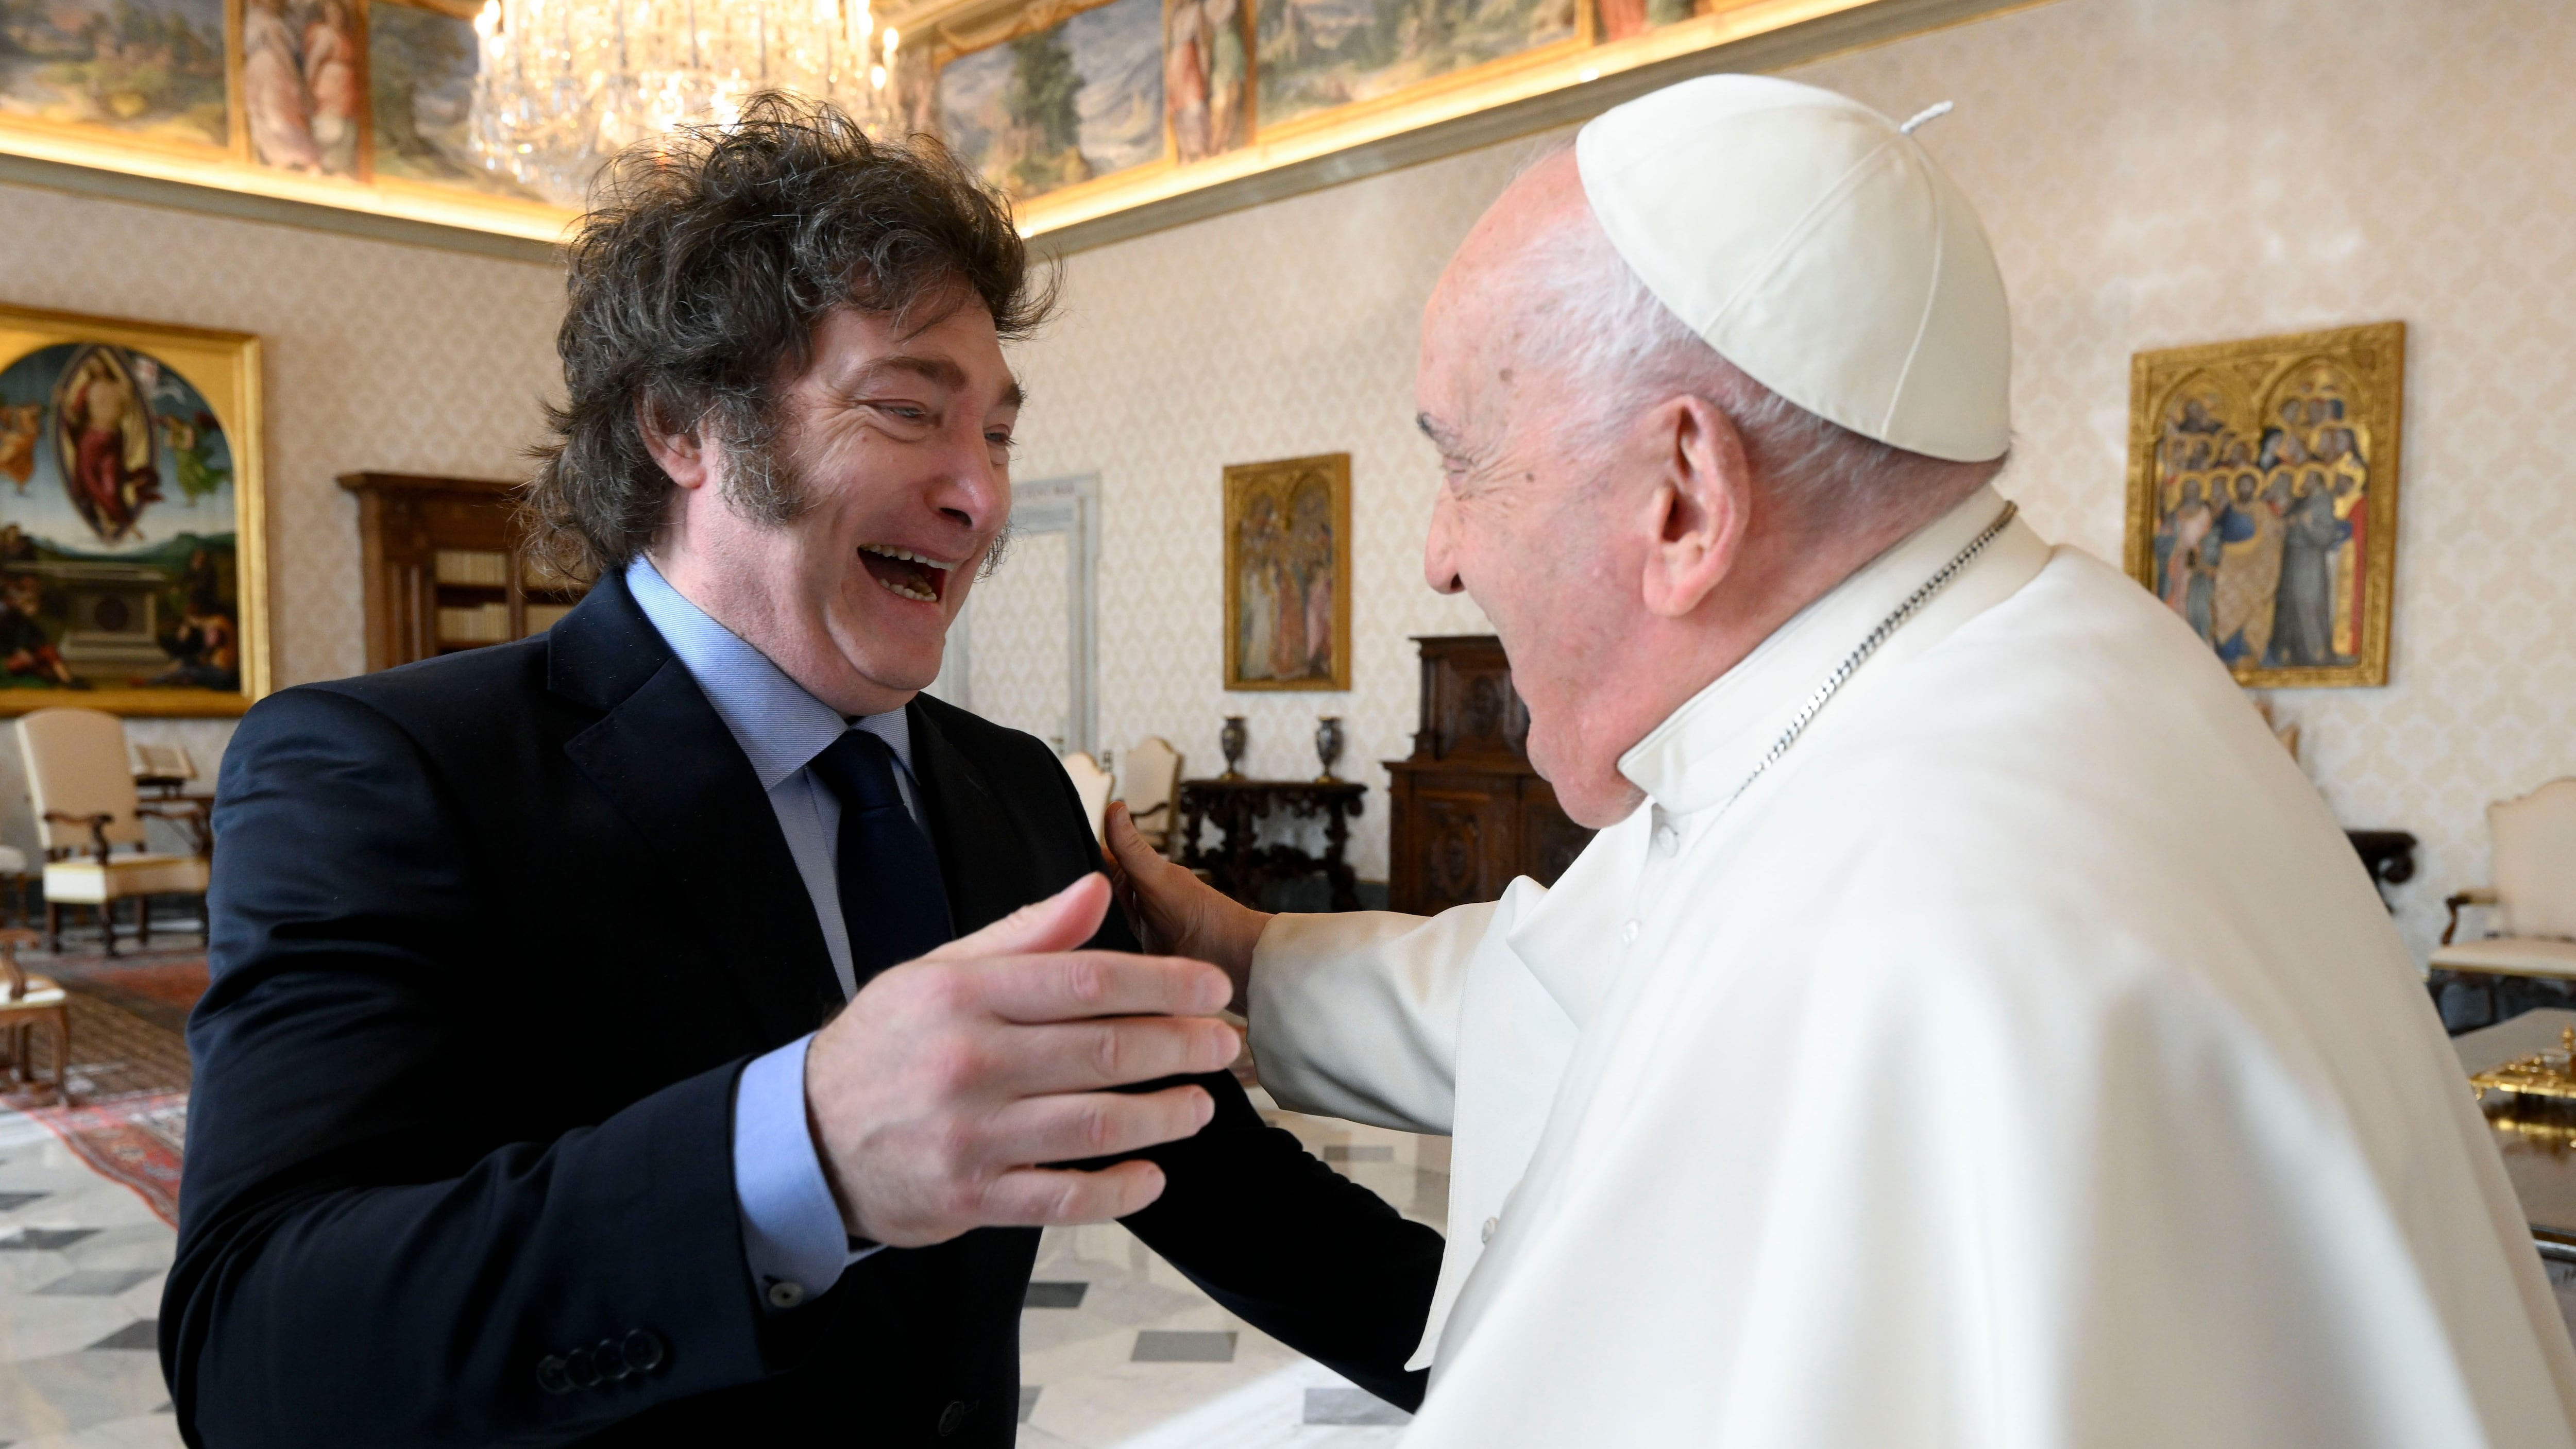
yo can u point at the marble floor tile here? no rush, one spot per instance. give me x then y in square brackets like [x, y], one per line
[1162, 1345]
[44, 1240]
[1056, 1295]
[70, 1392]
[96, 1282]
[144, 1431]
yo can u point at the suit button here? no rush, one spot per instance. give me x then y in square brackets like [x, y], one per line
[578, 1368]
[642, 1351]
[611, 1360]
[551, 1376]
[954, 1416]
[783, 1294]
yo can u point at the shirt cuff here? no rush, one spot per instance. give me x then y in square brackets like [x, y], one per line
[791, 1229]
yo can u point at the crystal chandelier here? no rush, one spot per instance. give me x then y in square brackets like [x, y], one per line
[565, 84]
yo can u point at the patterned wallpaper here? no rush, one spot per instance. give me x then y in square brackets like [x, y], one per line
[378, 356]
[2154, 172]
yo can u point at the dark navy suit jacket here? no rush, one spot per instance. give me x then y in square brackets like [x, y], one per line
[492, 936]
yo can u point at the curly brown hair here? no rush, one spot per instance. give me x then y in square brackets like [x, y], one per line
[695, 283]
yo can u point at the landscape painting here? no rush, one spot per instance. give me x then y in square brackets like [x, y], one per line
[124, 473]
[1288, 574]
[421, 61]
[2263, 499]
[148, 68]
[1314, 55]
[1080, 99]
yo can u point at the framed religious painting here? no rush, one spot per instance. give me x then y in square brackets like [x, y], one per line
[2263, 499]
[1288, 574]
[132, 568]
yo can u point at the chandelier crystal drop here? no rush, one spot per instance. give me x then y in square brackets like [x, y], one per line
[566, 84]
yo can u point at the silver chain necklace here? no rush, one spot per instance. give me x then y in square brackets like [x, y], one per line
[1877, 637]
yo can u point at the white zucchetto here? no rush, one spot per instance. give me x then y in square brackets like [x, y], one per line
[1816, 246]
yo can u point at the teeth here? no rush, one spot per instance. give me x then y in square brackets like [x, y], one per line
[909, 591]
[884, 550]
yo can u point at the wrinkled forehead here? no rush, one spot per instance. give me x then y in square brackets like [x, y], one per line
[1491, 294]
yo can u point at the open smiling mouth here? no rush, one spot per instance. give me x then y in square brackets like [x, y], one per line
[906, 574]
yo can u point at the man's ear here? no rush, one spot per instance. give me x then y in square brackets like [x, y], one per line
[1701, 504]
[681, 453]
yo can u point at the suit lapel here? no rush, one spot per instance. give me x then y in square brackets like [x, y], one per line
[666, 760]
[982, 857]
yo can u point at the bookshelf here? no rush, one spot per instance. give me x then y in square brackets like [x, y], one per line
[444, 570]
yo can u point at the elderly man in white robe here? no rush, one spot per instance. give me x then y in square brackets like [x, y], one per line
[1968, 1028]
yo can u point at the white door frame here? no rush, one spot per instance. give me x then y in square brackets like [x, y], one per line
[1070, 506]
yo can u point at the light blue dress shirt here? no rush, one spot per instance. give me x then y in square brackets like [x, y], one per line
[791, 1229]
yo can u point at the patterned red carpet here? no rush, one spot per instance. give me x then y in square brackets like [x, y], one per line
[128, 1118]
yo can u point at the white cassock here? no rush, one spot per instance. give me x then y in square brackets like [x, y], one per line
[2023, 1061]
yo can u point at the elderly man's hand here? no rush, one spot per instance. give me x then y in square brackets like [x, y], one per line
[1173, 910]
[935, 1096]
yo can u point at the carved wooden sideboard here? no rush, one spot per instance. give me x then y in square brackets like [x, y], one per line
[1468, 812]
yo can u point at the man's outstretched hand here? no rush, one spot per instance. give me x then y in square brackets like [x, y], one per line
[1173, 910]
[934, 1096]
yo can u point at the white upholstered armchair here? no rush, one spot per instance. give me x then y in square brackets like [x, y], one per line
[2530, 910]
[1091, 783]
[82, 786]
[1152, 788]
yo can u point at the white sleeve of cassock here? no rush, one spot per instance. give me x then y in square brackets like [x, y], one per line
[1355, 1015]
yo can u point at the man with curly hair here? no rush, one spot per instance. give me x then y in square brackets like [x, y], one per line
[674, 1028]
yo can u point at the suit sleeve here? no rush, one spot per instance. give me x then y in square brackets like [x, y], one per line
[1284, 1242]
[357, 1262]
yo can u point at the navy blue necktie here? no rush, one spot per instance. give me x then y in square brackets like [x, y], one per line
[893, 902]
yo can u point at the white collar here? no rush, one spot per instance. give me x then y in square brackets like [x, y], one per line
[1708, 747]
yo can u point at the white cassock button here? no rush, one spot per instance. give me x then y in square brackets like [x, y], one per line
[1667, 840]
[1628, 934]
[783, 1294]
[1487, 1234]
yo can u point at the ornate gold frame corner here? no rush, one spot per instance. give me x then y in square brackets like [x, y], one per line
[1242, 480]
[2374, 355]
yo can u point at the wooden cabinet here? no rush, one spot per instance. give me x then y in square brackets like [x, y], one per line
[1468, 811]
[443, 567]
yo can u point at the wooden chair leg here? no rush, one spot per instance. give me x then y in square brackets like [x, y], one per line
[21, 1069]
[142, 920]
[63, 1055]
[54, 927]
[107, 924]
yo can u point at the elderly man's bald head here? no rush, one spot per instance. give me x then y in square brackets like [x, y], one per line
[1631, 510]
[1566, 327]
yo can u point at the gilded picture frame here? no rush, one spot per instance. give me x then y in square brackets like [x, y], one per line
[133, 517]
[2262, 508]
[1288, 574]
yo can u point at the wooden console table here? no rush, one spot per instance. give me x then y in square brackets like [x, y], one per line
[1238, 865]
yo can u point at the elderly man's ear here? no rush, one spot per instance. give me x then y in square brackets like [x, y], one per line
[1699, 507]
